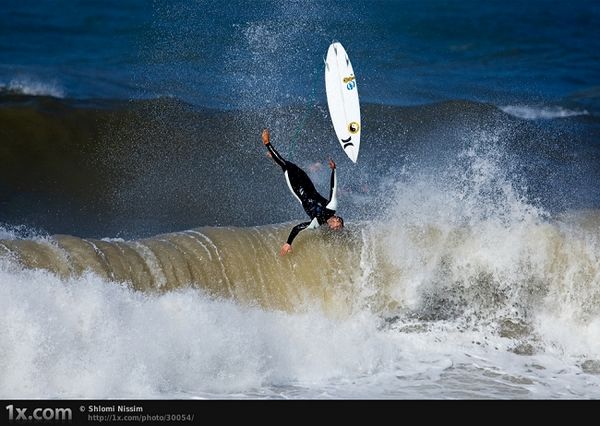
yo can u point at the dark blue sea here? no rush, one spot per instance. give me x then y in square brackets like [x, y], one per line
[140, 220]
[240, 54]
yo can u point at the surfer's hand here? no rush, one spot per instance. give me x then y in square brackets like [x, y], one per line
[285, 249]
[265, 136]
[331, 164]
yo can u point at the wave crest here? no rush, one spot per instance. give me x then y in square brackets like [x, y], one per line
[541, 113]
[31, 87]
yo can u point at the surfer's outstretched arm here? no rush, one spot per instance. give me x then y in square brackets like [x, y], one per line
[332, 205]
[296, 230]
[287, 247]
[274, 154]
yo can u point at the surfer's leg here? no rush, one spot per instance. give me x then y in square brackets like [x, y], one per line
[277, 157]
[299, 183]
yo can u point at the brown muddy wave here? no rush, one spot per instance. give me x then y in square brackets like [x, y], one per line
[432, 271]
[238, 263]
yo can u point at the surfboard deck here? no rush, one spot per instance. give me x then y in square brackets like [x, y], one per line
[342, 99]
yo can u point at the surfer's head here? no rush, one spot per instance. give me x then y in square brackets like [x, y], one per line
[335, 222]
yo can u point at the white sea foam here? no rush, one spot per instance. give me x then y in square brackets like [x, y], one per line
[29, 86]
[18, 232]
[90, 338]
[541, 112]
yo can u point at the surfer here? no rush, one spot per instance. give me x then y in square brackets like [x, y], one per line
[319, 209]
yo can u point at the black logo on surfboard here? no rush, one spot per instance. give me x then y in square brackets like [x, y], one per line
[347, 142]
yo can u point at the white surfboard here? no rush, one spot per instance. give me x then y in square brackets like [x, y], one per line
[342, 99]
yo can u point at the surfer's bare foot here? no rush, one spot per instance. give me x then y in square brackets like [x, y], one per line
[331, 164]
[270, 155]
[265, 136]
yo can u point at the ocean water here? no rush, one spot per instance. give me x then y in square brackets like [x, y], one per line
[140, 220]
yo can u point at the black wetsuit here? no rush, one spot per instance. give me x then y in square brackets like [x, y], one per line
[315, 205]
